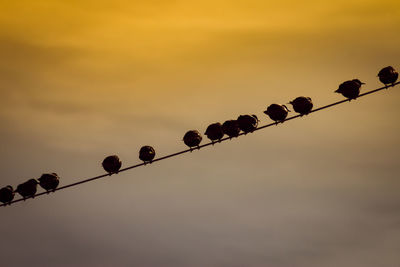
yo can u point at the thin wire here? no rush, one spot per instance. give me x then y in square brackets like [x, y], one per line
[201, 146]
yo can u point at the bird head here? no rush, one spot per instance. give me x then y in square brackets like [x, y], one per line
[32, 181]
[10, 187]
[358, 81]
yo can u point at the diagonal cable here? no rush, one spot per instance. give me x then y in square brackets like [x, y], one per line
[201, 146]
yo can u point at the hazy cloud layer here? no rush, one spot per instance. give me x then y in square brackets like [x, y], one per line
[82, 80]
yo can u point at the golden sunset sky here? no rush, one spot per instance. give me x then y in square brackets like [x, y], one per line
[81, 80]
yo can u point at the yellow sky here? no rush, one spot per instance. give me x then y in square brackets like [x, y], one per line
[92, 62]
[83, 79]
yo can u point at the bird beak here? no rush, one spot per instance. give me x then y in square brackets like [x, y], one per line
[362, 83]
[287, 108]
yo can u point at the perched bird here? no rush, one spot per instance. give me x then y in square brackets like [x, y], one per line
[192, 138]
[247, 123]
[231, 128]
[147, 154]
[27, 189]
[277, 113]
[214, 132]
[6, 194]
[388, 75]
[302, 105]
[49, 181]
[350, 89]
[112, 164]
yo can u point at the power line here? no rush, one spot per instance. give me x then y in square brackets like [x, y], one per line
[201, 146]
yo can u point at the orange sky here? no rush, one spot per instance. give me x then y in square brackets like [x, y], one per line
[83, 79]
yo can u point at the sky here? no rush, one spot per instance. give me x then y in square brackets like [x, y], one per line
[81, 80]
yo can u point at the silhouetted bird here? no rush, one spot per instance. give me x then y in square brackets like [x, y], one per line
[112, 164]
[214, 132]
[277, 113]
[302, 105]
[192, 139]
[388, 75]
[350, 89]
[6, 194]
[231, 128]
[247, 123]
[49, 181]
[147, 154]
[27, 189]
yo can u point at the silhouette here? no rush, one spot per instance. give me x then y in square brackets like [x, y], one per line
[147, 154]
[350, 89]
[214, 132]
[49, 181]
[27, 189]
[388, 75]
[302, 105]
[192, 139]
[247, 123]
[7, 194]
[112, 164]
[277, 113]
[231, 128]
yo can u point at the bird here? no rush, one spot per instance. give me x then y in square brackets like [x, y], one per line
[388, 75]
[112, 164]
[147, 154]
[302, 105]
[350, 89]
[27, 189]
[49, 181]
[231, 128]
[214, 132]
[277, 113]
[192, 139]
[247, 123]
[7, 194]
